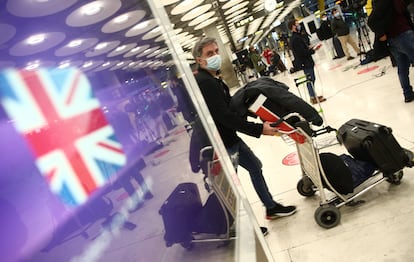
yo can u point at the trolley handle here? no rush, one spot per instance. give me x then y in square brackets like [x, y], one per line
[286, 117]
[323, 130]
[304, 125]
[206, 153]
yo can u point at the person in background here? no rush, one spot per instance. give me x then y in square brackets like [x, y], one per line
[324, 33]
[341, 29]
[303, 59]
[217, 97]
[258, 64]
[267, 54]
[391, 22]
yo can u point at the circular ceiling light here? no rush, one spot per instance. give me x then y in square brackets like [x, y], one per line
[153, 33]
[201, 18]
[35, 64]
[123, 21]
[231, 3]
[141, 28]
[147, 51]
[122, 49]
[37, 43]
[76, 46]
[75, 43]
[260, 2]
[92, 8]
[36, 39]
[185, 6]
[69, 63]
[89, 65]
[102, 48]
[93, 12]
[237, 13]
[196, 12]
[120, 64]
[37, 8]
[136, 50]
[236, 7]
[159, 38]
[106, 65]
[205, 23]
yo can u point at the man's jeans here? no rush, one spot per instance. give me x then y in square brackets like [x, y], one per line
[241, 154]
[311, 72]
[402, 48]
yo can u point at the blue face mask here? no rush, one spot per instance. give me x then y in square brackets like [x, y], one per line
[214, 63]
[298, 27]
[337, 14]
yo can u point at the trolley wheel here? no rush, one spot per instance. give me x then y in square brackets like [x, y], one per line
[188, 245]
[395, 178]
[327, 216]
[305, 188]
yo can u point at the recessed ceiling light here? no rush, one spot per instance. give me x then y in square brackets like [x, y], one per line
[36, 39]
[142, 25]
[92, 8]
[64, 64]
[32, 65]
[75, 43]
[120, 63]
[106, 64]
[135, 49]
[119, 48]
[101, 46]
[121, 19]
[87, 64]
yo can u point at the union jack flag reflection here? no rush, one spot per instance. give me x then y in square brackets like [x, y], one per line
[73, 144]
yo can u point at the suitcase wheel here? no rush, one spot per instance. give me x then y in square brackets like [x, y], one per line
[395, 178]
[188, 245]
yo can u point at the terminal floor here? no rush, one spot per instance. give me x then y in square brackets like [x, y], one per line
[382, 228]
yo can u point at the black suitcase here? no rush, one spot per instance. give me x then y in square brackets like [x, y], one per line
[212, 218]
[179, 212]
[374, 143]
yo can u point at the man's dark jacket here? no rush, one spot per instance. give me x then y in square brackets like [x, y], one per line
[339, 27]
[217, 97]
[301, 52]
[283, 101]
[382, 16]
[324, 32]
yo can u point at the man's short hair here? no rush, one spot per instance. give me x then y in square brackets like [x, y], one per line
[198, 47]
[291, 23]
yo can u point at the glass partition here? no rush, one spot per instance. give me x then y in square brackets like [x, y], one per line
[109, 153]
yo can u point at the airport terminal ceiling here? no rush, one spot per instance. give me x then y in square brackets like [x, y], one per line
[119, 35]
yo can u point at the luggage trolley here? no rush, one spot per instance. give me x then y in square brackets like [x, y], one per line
[188, 221]
[314, 178]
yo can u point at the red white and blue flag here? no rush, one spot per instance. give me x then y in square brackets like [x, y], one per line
[74, 146]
